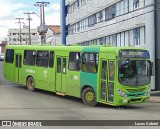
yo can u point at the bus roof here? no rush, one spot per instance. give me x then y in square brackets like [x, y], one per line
[101, 48]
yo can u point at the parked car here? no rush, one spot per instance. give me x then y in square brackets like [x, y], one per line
[1, 56]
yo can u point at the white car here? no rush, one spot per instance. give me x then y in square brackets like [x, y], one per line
[1, 56]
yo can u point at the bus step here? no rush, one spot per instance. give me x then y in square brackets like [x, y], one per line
[60, 93]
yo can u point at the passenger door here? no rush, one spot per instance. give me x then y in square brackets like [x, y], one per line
[61, 74]
[107, 80]
[18, 70]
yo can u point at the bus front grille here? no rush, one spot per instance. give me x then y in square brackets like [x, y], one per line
[135, 100]
[136, 90]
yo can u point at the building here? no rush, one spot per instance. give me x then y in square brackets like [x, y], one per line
[14, 36]
[114, 22]
[53, 35]
[157, 21]
[3, 45]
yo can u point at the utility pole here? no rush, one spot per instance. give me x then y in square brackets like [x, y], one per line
[42, 29]
[29, 21]
[20, 38]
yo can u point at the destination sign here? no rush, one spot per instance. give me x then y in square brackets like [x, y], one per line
[134, 54]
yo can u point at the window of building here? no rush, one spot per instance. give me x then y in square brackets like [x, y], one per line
[136, 32]
[102, 41]
[90, 62]
[131, 5]
[74, 61]
[9, 57]
[92, 20]
[126, 6]
[78, 4]
[93, 42]
[67, 9]
[42, 58]
[142, 35]
[100, 16]
[85, 23]
[14, 40]
[131, 37]
[110, 12]
[136, 3]
[78, 26]
[70, 28]
[114, 42]
[51, 59]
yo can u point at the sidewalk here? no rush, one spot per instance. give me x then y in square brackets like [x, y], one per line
[155, 97]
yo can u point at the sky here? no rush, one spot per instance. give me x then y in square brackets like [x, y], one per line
[12, 9]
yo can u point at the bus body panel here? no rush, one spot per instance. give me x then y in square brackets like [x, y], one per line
[69, 82]
[73, 83]
[45, 78]
[9, 72]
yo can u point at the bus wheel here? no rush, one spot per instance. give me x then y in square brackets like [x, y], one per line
[30, 84]
[88, 97]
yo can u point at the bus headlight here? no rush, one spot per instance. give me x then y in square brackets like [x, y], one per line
[148, 92]
[121, 93]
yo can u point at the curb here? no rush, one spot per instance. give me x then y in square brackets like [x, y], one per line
[155, 93]
[154, 99]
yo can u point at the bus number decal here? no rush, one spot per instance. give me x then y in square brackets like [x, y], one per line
[45, 73]
[75, 77]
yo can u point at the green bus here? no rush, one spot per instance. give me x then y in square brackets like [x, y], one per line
[97, 74]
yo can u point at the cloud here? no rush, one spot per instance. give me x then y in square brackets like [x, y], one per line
[9, 11]
[55, 7]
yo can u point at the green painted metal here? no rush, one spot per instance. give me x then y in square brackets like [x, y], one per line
[72, 82]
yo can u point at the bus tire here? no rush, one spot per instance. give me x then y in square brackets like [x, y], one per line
[30, 84]
[89, 97]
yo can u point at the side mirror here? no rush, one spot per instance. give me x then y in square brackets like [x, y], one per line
[151, 69]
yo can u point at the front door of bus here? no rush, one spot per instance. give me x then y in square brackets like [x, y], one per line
[61, 74]
[107, 80]
[18, 68]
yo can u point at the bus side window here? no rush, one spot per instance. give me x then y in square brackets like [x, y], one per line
[111, 70]
[42, 58]
[90, 62]
[29, 57]
[51, 59]
[74, 61]
[9, 57]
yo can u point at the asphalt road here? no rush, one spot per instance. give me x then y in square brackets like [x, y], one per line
[17, 103]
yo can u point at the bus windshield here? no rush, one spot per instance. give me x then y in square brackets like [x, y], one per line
[134, 72]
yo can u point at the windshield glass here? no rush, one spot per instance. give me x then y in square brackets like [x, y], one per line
[134, 72]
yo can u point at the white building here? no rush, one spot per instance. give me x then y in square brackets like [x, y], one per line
[14, 36]
[53, 35]
[115, 22]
